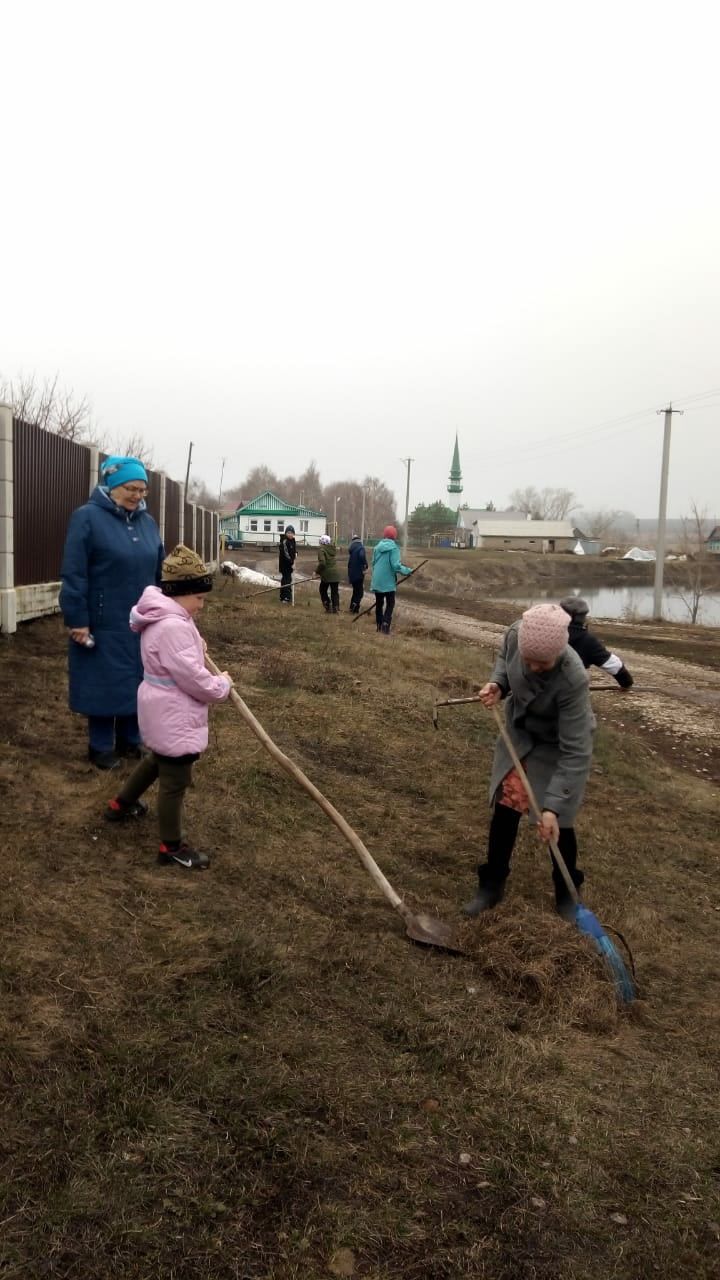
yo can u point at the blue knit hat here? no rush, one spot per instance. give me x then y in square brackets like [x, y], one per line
[115, 471]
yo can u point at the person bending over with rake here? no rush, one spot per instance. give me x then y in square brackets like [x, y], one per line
[550, 721]
[172, 701]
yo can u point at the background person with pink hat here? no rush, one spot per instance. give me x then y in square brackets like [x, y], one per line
[550, 722]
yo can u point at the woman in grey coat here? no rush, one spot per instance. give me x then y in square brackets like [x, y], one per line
[550, 721]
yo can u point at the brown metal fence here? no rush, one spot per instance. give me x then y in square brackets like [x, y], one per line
[172, 514]
[188, 534]
[152, 499]
[51, 478]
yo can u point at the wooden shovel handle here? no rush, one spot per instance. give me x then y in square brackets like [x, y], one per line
[290, 767]
[533, 802]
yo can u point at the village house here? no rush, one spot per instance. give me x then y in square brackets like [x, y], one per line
[712, 542]
[514, 531]
[262, 520]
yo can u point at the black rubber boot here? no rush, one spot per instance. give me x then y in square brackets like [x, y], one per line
[487, 897]
[103, 759]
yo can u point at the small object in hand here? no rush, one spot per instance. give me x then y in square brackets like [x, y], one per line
[89, 641]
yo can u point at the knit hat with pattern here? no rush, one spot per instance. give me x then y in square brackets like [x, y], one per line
[185, 574]
[543, 633]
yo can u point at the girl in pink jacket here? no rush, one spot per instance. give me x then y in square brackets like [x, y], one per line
[172, 701]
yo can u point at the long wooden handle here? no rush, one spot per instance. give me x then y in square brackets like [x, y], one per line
[533, 802]
[290, 767]
[295, 582]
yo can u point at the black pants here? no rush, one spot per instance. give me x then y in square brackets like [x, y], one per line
[286, 589]
[358, 591]
[175, 774]
[384, 605]
[333, 588]
[503, 830]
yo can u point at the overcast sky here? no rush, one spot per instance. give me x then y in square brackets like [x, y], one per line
[344, 231]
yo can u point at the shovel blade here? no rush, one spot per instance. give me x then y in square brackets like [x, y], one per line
[431, 932]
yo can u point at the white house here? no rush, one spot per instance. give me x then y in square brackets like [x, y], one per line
[267, 516]
[513, 531]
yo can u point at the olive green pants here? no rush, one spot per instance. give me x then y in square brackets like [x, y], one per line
[175, 776]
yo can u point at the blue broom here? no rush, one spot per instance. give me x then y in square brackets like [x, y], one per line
[587, 923]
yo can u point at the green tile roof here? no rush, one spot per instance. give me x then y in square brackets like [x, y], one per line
[268, 504]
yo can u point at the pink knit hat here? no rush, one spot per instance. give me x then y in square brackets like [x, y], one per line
[543, 633]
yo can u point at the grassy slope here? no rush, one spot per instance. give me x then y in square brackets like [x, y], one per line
[239, 1073]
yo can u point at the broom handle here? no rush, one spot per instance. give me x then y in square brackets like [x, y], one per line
[533, 802]
[290, 767]
[403, 579]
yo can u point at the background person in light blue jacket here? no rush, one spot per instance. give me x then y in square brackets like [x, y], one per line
[386, 565]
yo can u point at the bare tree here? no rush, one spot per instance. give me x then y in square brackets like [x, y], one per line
[693, 546]
[602, 524]
[543, 504]
[49, 406]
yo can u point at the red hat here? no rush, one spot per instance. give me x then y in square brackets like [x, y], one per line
[389, 531]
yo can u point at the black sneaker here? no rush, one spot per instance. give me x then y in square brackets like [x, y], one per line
[485, 899]
[185, 856]
[128, 750]
[119, 811]
[103, 759]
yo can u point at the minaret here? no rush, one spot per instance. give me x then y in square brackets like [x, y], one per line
[455, 485]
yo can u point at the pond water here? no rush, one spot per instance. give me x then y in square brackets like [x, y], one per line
[629, 602]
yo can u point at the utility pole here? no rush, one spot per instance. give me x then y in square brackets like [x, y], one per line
[662, 513]
[187, 473]
[335, 525]
[408, 462]
[362, 518]
[222, 473]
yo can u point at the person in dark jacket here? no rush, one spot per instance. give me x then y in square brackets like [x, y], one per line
[357, 568]
[286, 563]
[550, 722]
[113, 551]
[589, 648]
[329, 574]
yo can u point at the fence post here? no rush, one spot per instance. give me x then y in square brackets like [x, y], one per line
[94, 464]
[161, 522]
[181, 512]
[8, 609]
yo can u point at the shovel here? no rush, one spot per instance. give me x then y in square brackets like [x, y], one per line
[426, 929]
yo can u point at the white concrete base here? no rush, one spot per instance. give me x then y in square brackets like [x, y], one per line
[37, 600]
[8, 612]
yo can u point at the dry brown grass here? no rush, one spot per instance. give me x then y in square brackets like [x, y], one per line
[251, 1072]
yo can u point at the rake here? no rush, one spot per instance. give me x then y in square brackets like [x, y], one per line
[406, 578]
[587, 923]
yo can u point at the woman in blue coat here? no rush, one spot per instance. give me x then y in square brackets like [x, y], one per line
[113, 551]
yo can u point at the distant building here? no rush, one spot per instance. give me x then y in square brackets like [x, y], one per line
[264, 518]
[514, 531]
[712, 542]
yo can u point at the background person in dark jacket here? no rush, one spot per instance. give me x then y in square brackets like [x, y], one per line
[588, 647]
[113, 551]
[286, 563]
[357, 568]
[329, 574]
